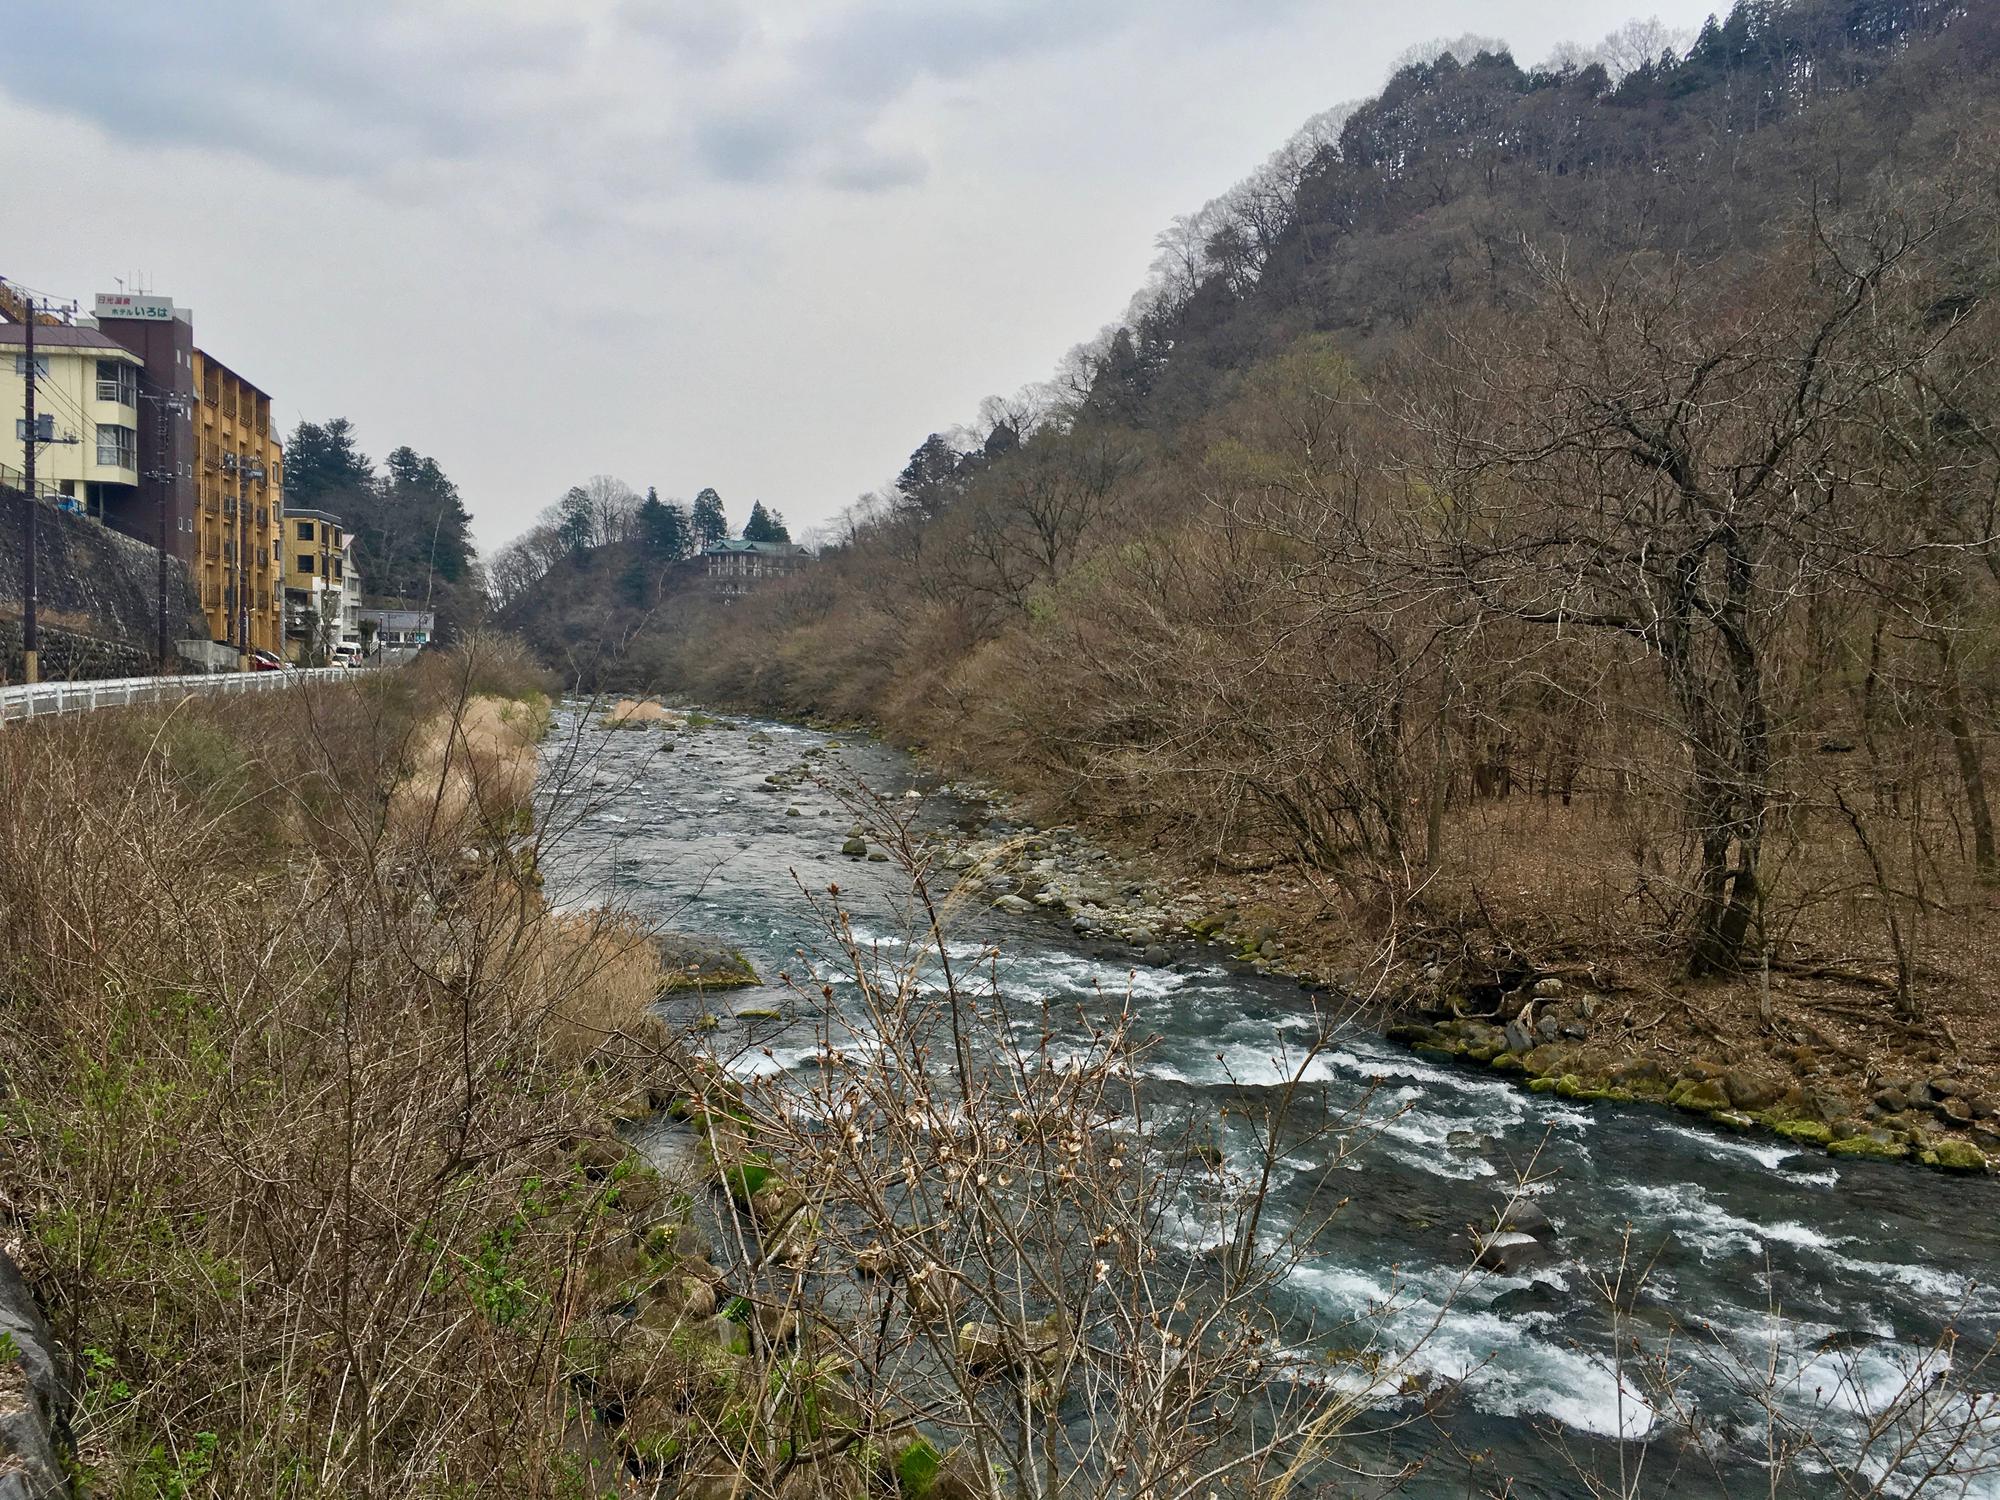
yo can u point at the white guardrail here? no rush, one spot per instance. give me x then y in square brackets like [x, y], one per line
[42, 698]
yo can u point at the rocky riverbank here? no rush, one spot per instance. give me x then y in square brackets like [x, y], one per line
[1899, 1094]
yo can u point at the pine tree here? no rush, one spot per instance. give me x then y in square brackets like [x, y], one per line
[930, 481]
[710, 524]
[663, 527]
[323, 464]
[764, 525]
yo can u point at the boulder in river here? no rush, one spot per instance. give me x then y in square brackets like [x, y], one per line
[694, 963]
[1525, 1216]
[1510, 1253]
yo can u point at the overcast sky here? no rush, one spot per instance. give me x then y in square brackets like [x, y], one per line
[764, 245]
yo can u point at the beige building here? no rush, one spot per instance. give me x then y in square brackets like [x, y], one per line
[87, 416]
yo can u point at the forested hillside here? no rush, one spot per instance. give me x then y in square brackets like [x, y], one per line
[1545, 510]
[412, 535]
[598, 584]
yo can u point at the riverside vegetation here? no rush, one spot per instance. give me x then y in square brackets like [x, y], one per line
[1540, 529]
[320, 1122]
[315, 1134]
[309, 1098]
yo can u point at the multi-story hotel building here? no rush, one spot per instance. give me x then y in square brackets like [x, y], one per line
[239, 482]
[206, 454]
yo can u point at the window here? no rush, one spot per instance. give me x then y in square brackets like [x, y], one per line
[117, 447]
[45, 429]
[305, 531]
[117, 382]
[336, 567]
[305, 562]
[41, 365]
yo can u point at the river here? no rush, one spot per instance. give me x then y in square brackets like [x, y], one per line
[1835, 1277]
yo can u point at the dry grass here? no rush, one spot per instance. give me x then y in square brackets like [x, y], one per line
[471, 769]
[294, 1140]
[611, 975]
[632, 713]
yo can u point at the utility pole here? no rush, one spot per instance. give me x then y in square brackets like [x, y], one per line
[30, 636]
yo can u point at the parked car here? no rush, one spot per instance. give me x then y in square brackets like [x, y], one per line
[345, 655]
[264, 661]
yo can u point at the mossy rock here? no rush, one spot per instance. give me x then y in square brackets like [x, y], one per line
[1868, 1148]
[656, 1450]
[693, 963]
[633, 1189]
[1701, 1096]
[1439, 1051]
[1544, 1085]
[915, 1466]
[1950, 1155]
[1507, 1062]
[1811, 1131]
[1414, 1034]
[746, 1179]
[1570, 1086]
[1547, 1058]
[760, 1013]
[1735, 1119]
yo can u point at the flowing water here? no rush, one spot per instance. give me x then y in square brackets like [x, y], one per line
[1829, 1281]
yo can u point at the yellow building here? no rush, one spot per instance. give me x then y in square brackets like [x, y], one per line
[239, 484]
[87, 417]
[322, 589]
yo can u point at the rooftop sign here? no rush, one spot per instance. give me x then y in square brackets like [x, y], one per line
[135, 305]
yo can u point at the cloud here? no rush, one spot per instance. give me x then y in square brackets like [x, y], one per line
[706, 88]
[751, 147]
[869, 169]
[703, 31]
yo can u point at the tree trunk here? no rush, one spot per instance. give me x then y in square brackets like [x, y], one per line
[1971, 769]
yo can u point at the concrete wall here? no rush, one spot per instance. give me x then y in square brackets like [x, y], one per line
[98, 595]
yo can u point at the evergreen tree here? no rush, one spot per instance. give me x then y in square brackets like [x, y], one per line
[422, 533]
[412, 533]
[930, 481]
[765, 525]
[663, 527]
[324, 464]
[710, 524]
